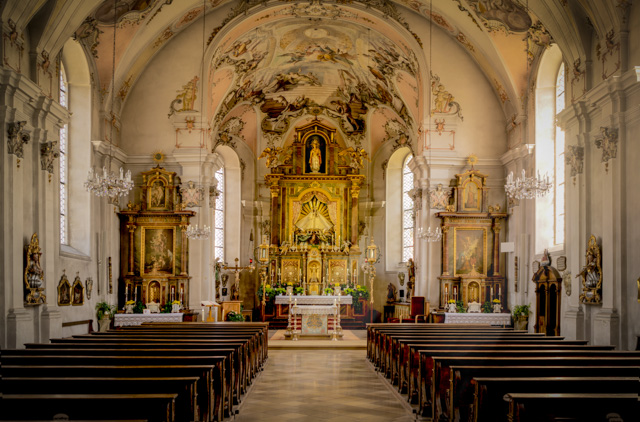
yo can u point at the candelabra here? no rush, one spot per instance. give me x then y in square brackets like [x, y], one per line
[196, 233]
[525, 187]
[371, 258]
[263, 257]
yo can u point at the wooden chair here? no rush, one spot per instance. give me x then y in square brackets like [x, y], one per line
[419, 310]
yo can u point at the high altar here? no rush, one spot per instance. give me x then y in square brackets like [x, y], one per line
[471, 243]
[315, 185]
[154, 254]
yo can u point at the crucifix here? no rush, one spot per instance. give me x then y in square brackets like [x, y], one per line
[235, 289]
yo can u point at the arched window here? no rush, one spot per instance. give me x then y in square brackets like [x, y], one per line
[549, 150]
[64, 229]
[219, 217]
[407, 211]
[559, 158]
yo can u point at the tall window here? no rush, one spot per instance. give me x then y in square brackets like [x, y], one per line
[407, 211]
[559, 163]
[219, 217]
[64, 229]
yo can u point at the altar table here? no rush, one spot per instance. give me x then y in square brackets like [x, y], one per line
[123, 320]
[314, 319]
[477, 318]
[313, 300]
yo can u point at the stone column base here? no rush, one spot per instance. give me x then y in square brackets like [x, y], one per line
[51, 325]
[572, 324]
[19, 328]
[606, 328]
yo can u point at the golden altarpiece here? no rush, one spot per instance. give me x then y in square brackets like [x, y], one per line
[154, 245]
[315, 187]
[471, 243]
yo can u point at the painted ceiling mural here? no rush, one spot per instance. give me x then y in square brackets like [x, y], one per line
[336, 69]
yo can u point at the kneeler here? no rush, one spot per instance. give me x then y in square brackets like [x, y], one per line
[419, 310]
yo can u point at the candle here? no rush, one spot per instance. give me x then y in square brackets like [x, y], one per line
[499, 291]
[202, 314]
[491, 292]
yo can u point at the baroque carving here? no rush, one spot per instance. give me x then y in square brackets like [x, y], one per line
[34, 275]
[229, 133]
[443, 100]
[17, 139]
[439, 197]
[537, 35]
[504, 15]
[398, 133]
[48, 153]
[574, 158]
[88, 34]
[356, 157]
[608, 143]
[186, 96]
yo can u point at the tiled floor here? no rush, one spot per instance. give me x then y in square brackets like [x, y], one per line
[327, 385]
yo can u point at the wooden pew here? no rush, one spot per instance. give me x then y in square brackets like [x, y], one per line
[535, 407]
[185, 387]
[153, 407]
[489, 404]
[222, 404]
[434, 377]
[204, 373]
[462, 388]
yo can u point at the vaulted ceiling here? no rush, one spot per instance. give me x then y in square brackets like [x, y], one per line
[341, 57]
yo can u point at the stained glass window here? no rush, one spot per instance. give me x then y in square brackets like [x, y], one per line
[407, 211]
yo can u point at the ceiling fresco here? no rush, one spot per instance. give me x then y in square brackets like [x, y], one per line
[338, 69]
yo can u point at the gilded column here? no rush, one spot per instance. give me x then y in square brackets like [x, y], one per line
[496, 246]
[356, 184]
[183, 250]
[132, 228]
[445, 249]
[274, 186]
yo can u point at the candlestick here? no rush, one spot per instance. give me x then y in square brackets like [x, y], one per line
[499, 291]
[202, 314]
[491, 292]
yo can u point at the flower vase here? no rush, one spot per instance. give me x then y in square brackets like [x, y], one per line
[452, 308]
[336, 291]
[175, 308]
[289, 290]
[128, 308]
[497, 308]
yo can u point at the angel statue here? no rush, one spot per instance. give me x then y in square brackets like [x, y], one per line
[345, 246]
[357, 157]
[271, 154]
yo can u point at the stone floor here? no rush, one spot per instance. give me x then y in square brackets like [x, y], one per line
[327, 385]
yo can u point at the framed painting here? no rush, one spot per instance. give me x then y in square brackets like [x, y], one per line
[158, 195]
[158, 250]
[471, 196]
[77, 298]
[64, 291]
[470, 251]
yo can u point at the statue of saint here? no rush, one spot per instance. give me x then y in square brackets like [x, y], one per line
[315, 156]
[314, 220]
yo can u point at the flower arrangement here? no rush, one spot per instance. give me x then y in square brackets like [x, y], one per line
[298, 290]
[175, 302]
[451, 301]
[130, 302]
[486, 308]
[234, 316]
[496, 300]
[328, 291]
[104, 310]
[358, 292]
[520, 310]
[138, 308]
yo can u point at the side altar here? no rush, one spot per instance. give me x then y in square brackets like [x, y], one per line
[155, 249]
[315, 186]
[471, 270]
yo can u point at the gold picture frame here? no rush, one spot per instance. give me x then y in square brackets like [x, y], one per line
[468, 243]
[158, 246]
[64, 291]
[77, 292]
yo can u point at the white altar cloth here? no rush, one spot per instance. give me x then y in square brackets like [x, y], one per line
[313, 310]
[313, 300]
[123, 320]
[475, 318]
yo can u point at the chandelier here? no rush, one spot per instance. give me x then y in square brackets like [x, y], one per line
[525, 187]
[196, 233]
[429, 235]
[109, 184]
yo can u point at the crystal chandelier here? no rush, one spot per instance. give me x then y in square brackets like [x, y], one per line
[109, 184]
[196, 233]
[429, 235]
[525, 187]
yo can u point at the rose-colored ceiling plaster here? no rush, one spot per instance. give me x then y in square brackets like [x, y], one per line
[104, 62]
[379, 119]
[408, 88]
[249, 130]
[514, 52]
[219, 83]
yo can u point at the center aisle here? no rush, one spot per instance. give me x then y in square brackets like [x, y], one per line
[321, 385]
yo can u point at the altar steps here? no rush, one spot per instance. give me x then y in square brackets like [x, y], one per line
[346, 324]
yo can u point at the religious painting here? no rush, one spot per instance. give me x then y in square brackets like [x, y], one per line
[337, 271]
[158, 245]
[78, 292]
[315, 154]
[471, 196]
[157, 195]
[290, 271]
[64, 291]
[469, 250]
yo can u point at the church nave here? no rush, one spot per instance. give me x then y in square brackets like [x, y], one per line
[321, 385]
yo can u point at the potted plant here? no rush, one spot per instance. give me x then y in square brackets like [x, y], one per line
[104, 311]
[234, 316]
[520, 317]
